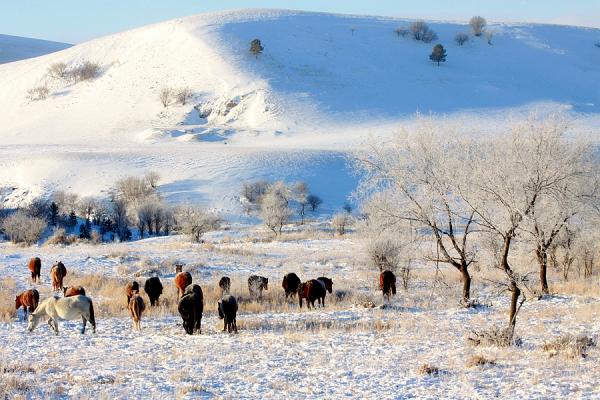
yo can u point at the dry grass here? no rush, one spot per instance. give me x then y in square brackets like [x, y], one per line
[493, 336]
[428, 369]
[7, 299]
[478, 361]
[569, 346]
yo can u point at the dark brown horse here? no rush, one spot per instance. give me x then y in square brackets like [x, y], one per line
[311, 290]
[227, 312]
[153, 288]
[73, 291]
[256, 284]
[58, 273]
[190, 307]
[327, 282]
[387, 283]
[29, 300]
[225, 285]
[136, 308]
[131, 289]
[182, 280]
[35, 266]
[290, 284]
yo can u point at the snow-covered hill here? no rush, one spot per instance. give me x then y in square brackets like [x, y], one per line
[322, 85]
[15, 48]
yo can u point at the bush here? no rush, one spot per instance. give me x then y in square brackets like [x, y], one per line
[314, 201]
[184, 95]
[570, 346]
[340, 222]
[166, 96]
[195, 222]
[86, 71]
[478, 361]
[421, 31]
[494, 336]
[38, 93]
[401, 32]
[477, 24]
[256, 47]
[461, 38]
[428, 369]
[22, 228]
[60, 237]
[58, 70]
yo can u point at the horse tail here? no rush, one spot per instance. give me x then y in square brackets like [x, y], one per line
[92, 316]
[394, 288]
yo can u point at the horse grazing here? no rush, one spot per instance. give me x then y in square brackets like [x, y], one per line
[190, 308]
[153, 289]
[224, 284]
[227, 311]
[29, 300]
[311, 290]
[35, 266]
[131, 289]
[136, 308]
[58, 273]
[387, 283]
[290, 284]
[65, 308]
[73, 291]
[256, 284]
[182, 281]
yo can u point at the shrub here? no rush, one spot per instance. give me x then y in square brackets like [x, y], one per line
[494, 336]
[428, 369]
[22, 228]
[38, 93]
[58, 70]
[477, 24]
[314, 201]
[184, 95]
[253, 191]
[86, 71]
[340, 222]
[256, 47]
[60, 237]
[421, 31]
[461, 38]
[569, 345]
[478, 361]
[165, 96]
[401, 32]
[195, 222]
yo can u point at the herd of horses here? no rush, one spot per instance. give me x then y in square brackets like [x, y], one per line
[76, 304]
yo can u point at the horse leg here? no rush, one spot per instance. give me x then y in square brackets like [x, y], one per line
[55, 326]
[235, 325]
[83, 327]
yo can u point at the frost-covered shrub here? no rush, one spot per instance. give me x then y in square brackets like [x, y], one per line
[196, 221]
[58, 70]
[38, 93]
[184, 95]
[477, 24]
[340, 222]
[461, 38]
[166, 96]
[85, 71]
[22, 228]
[60, 237]
[253, 191]
[421, 31]
[569, 345]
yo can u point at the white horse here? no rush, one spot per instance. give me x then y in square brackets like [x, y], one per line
[65, 308]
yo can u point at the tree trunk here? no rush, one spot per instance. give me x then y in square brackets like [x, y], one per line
[466, 279]
[542, 256]
[514, 300]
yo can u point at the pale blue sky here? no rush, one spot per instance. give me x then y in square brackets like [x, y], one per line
[75, 21]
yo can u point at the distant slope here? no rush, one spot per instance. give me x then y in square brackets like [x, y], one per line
[15, 48]
[323, 84]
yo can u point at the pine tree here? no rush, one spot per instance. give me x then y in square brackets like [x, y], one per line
[53, 214]
[84, 232]
[256, 47]
[72, 221]
[438, 54]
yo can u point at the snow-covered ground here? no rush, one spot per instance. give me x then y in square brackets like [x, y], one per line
[323, 85]
[342, 351]
[15, 48]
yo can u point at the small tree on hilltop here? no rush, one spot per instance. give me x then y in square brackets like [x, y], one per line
[461, 38]
[256, 47]
[477, 24]
[438, 54]
[314, 201]
[165, 96]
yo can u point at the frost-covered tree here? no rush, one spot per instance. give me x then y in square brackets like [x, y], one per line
[184, 95]
[22, 228]
[438, 54]
[274, 211]
[461, 38]
[166, 96]
[340, 222]
[196, 221]
[301, 192]
[477, 24]
[421, 31]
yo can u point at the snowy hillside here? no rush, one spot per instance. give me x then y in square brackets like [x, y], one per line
[323, 84]
[15, 48]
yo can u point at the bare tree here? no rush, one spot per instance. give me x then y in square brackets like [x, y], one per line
[301, 191]
[314, 201]
[477, 24]
[274, 211]
[401, 32]
[22, 228]
[415, 178]
[38, 93]
[421, 31]
[120, 218]
[166, 96]
[85, 71]
[184, 95]
[340, 222]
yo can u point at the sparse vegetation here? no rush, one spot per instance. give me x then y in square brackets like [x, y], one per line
[569, 346]
[340, 222]
[38, 93]
[166, 96]
[85, 71]
[184, 95]
[401, 32]
[22, 228]
[195, 222]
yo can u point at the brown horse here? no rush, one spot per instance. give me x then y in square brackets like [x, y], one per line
[35, 266]
[311, 290]
[29, 300]
[182, 280]
[290, 284]
[131, 289]
[387, 283]
[73, 291]
[136, 308]
[256, 284]
[225, 285]
[58, 273]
